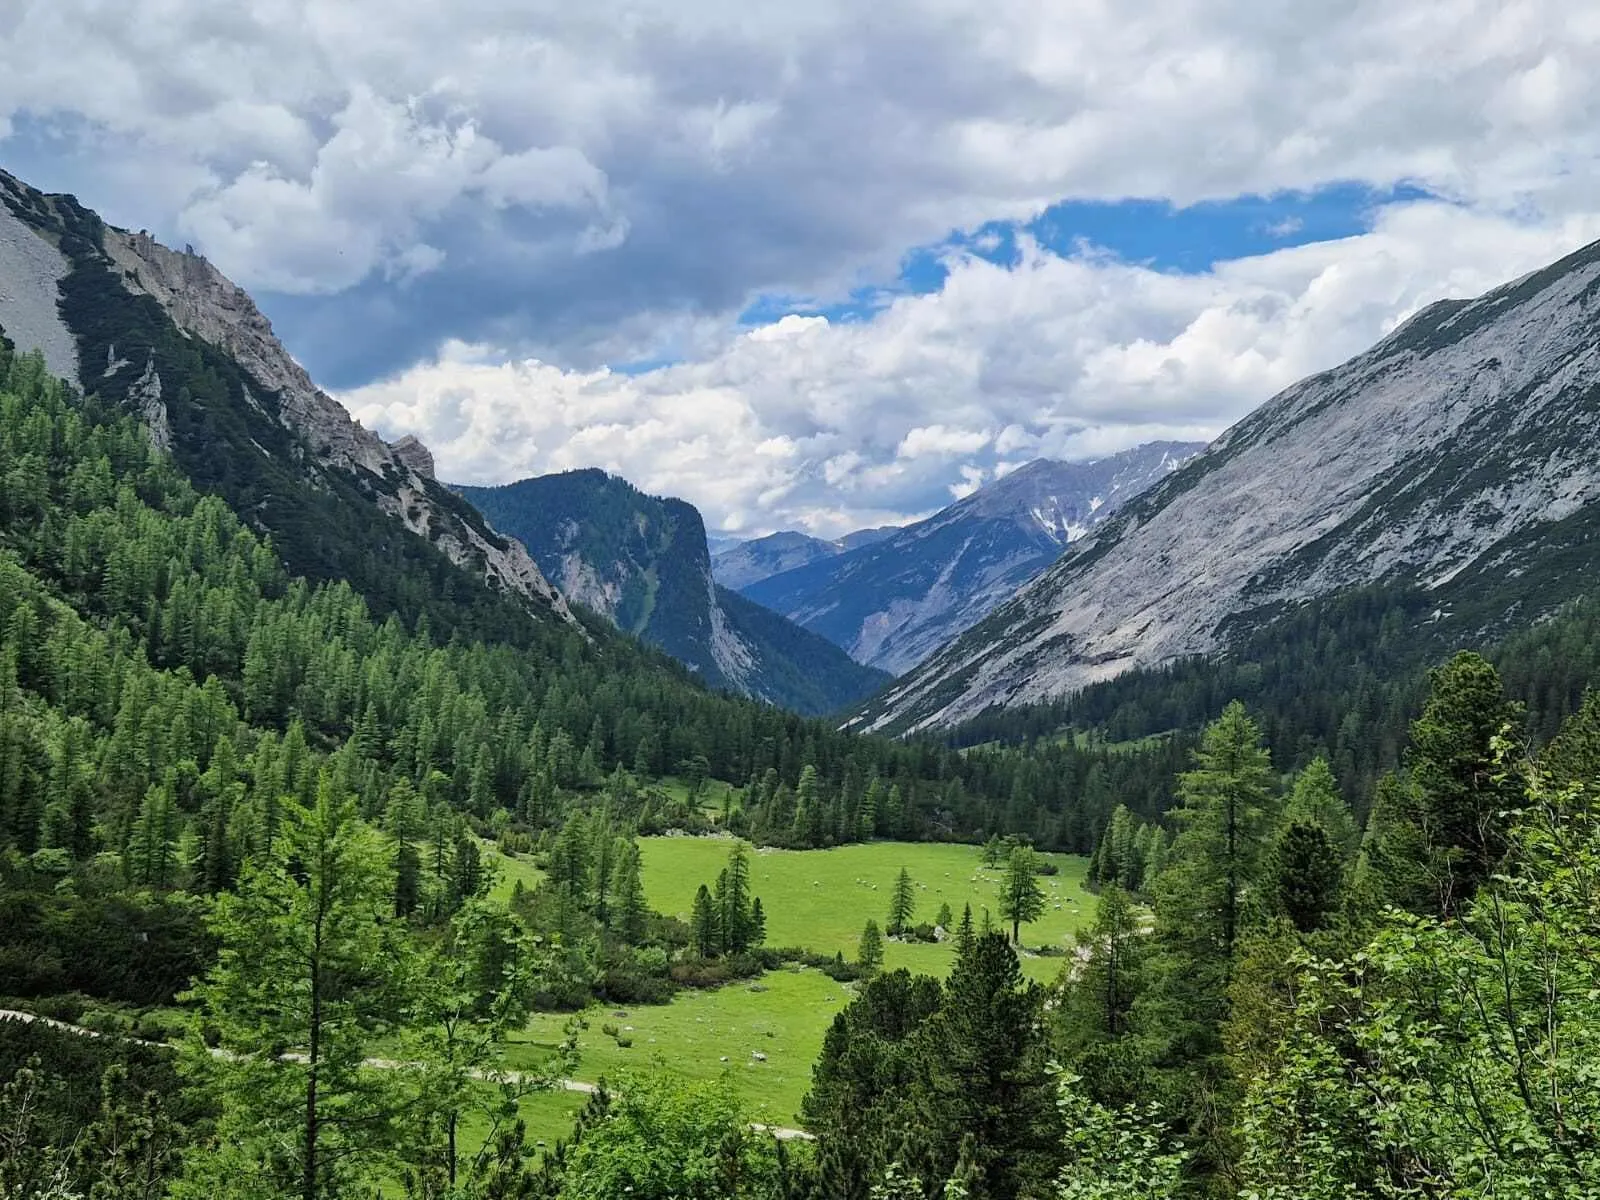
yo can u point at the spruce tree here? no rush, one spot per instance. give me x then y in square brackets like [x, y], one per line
[1021, 897]
[902, 904]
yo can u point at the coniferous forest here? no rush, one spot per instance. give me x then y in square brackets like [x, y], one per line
[1344, 942]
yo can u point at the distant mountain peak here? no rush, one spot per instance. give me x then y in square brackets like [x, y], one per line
[895, 599]
[642, 562]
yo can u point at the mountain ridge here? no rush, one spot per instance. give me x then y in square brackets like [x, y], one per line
[1455, 450]
[165, 334]
[643, 563]
[893, 602]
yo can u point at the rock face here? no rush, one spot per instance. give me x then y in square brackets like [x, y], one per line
[897, 598]
[642, 563]
[206, 306]
[414, 455]
[30, 271]
[1461, 453]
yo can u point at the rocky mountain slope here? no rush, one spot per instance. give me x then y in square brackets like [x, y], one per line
[167, 335]
[1461, 454]
[642, 562]
[894, 601]
[744, 563]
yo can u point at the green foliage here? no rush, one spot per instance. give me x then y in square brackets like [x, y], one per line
[902, 904]
[1114, 1154]
[313, 971]
[1095, 1010]
[1021, 897]
[869, 952]
[1451, 1058]
[664, 1140]
[1306, 872]
[1437, 833]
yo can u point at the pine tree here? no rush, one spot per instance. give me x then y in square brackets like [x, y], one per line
[869, 951]
[986, 1072]
[704, 927]
[902, 904]
[1021, 897]
[1306, 870]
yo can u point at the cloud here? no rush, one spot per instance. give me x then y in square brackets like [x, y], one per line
[460, 214]
[832, 427]
[938, 441]
[603, 180]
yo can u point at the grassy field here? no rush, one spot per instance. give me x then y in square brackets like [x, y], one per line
[783, 1015]
[820, 899]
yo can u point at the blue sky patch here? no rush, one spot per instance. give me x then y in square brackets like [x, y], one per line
[1154, 233]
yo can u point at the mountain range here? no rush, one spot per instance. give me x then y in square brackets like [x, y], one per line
[642, 562]
[1460, 454]
[738, 564]
[896, 599]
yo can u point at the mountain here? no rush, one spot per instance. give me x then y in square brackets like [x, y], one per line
[895, 600]
[1458, 455]
[760, 558]
[168, 337]
[642, 562]
[740, 564]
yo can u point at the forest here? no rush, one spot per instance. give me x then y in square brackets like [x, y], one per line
[1344, 943]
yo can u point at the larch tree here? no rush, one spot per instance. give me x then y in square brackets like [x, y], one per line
[902, 904]
[312, 971]
[869, 951]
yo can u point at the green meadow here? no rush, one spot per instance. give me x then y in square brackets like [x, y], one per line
[765, 1034]
[820, 899]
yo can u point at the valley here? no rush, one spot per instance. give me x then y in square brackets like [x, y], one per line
[334, 799]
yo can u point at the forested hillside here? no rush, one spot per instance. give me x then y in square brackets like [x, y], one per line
[224, 785]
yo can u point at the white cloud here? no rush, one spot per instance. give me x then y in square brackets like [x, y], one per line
[831, 426]
[485, 201]
[939, 441]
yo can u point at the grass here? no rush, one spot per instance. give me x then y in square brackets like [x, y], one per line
[509, 871]
[820, 899]
[785, 1020]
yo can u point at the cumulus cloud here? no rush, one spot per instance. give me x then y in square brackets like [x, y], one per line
[462, 213]
[832, 427]
[665, 162]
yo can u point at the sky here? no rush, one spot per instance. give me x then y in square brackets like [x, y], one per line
[818, 265]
